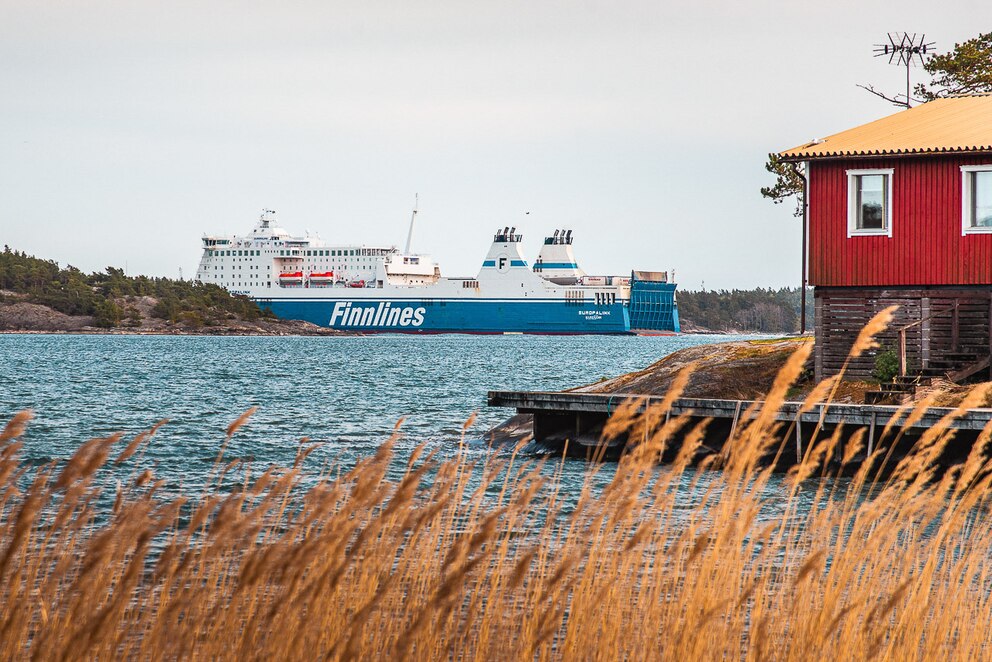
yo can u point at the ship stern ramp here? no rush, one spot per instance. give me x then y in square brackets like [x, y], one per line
[653, 306]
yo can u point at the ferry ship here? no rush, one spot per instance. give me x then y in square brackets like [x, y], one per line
[382, 289]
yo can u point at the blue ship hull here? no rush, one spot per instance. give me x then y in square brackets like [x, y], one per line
[548, 316]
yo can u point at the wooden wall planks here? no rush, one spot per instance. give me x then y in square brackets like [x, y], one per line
[926, 247]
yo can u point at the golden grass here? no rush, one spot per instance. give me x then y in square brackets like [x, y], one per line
[480, 561]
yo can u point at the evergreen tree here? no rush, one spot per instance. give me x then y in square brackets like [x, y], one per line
[966, 69]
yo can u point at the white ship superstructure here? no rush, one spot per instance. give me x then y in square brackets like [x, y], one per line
[269, 258]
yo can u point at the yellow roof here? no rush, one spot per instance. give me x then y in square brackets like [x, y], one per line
[954, 124]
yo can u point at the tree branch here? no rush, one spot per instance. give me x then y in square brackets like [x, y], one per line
[892, 100]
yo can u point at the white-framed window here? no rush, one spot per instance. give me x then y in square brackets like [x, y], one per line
[976, 199]
[869, 202]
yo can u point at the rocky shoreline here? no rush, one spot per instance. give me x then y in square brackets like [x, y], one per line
[21, 317]
[306, 329]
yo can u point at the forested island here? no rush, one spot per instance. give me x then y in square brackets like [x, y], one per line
[745, 311]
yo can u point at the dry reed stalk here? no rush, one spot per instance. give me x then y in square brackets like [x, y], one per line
[866, 337]
[784, 380]
[15, 426]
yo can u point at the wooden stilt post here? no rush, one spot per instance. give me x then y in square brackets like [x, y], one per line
[871, 434]
[902, 352]
[956, 326]
[799, 438]
[737, 415]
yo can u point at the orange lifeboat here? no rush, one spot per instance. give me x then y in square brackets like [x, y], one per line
[322, 279]
[291, 278]
[357, 283]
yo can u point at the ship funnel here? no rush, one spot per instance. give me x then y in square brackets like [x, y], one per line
[505, 257]
[556, 259]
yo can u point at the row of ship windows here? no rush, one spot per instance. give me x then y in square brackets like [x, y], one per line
[357, 251]
[216, 268]
[220, 253]
[577, 298]
[316, 253]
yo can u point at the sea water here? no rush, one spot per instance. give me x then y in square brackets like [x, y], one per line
[348, 392]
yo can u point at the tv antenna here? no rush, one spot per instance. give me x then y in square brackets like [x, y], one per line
[904, 50]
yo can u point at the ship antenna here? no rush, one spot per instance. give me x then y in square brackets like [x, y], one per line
[265, 217]
[413, 217]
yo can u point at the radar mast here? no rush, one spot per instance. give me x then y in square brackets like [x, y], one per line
[413, 217]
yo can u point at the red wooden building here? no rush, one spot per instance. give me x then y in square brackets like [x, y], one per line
[900, 211]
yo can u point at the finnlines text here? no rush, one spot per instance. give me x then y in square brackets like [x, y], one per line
[384, 314]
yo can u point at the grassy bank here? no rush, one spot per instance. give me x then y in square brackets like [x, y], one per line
[480, 560]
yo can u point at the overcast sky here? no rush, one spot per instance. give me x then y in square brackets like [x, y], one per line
[129, 129]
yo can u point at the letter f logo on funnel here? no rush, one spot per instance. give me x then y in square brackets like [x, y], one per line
[501, 264]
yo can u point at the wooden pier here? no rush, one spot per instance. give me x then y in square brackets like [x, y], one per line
[578, 418]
